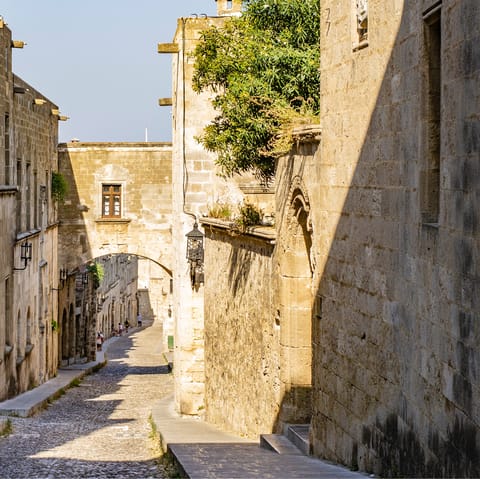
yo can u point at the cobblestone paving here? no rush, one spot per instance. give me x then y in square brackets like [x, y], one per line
[99, 429]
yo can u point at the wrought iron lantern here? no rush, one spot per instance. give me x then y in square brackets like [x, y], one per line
[63, 274]
[195, 255]
[25, 255]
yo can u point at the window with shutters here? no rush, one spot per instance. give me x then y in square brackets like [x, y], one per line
[7, 150]
[111, 201]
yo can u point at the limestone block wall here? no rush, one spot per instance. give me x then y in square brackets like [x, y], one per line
[8, 194]
[28, 136]
[395, 360]
[34, 135]
[143, 172]
[7, 235]
[242, 386]
[297, 273]
[196, 185]
[143, 228]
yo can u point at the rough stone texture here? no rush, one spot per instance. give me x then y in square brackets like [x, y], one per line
[242, 385]
[119, 291]
[234, 7]
[196, 187]
[144, 229]
[100, 429]
[396, 357]
[294, 267]
[28, 138]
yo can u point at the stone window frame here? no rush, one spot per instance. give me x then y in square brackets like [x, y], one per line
[8, 167]
[432, 117]
[99, 202]
[359, 35]
[112, 203]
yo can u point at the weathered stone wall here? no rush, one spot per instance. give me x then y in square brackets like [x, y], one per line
[396, 388]
[35, 134]
[7, 235]
[296, 272]
[28, 137]
[118, 291]
[242, 387]
[143, 171]
[7, 217]
[196, 186]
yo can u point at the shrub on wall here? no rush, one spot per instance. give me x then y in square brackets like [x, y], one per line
[264, 69]
[248, 215]
[59, 187]
[97, 271]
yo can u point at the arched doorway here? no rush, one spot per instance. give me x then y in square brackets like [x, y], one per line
[64, 338]
[295, 309]
[73, 334]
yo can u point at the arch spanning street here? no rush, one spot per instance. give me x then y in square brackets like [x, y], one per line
[115, 233]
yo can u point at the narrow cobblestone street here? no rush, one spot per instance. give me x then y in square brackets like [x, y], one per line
[101, 428]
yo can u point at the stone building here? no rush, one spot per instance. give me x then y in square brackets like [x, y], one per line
[395, 211]
[28, 230]
[375, 270]
[258, 309]
[196, 188]
[242, 332]
[117, 293]
[117, 214]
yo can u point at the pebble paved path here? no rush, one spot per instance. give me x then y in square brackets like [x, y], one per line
[99, 429]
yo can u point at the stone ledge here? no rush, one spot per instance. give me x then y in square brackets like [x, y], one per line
[264, 232]
[113, 220]
[80, 146]
[8, 189]
[308, 133]
[28, 234]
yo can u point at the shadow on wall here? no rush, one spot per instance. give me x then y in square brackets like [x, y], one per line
[145, 307]
[240, 262]
[74, 244]
[396, 348]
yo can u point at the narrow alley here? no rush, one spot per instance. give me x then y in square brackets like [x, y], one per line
[101, 428]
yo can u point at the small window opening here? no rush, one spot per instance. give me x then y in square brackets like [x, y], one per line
[111, 201]
[430, 184]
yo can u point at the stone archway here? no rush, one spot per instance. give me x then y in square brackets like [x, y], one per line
[63, 343]
[72, 338]
[295, 311]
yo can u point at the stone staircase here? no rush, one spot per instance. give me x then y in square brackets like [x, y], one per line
[293, 441]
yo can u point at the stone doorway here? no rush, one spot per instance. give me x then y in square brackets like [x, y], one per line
[63, 343]
[296, 299]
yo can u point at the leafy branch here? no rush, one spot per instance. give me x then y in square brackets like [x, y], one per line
[264, 69]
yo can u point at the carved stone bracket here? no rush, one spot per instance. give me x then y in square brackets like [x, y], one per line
[307, 134]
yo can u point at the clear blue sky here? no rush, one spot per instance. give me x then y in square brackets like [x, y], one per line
[98, 61]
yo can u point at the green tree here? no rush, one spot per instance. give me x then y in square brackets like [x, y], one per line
[264, 69]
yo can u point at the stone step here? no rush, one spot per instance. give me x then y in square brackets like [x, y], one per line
[280, 444]
[298, 435]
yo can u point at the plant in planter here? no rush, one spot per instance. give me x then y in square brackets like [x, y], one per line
[248, 215]
[221, 210]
